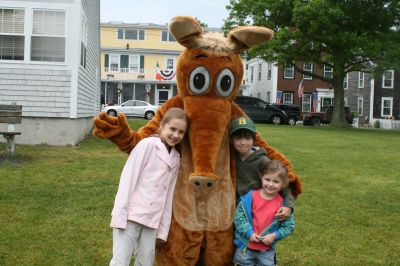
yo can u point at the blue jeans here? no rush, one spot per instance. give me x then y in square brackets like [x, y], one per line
[254, 257]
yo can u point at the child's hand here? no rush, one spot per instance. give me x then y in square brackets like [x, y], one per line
[268, 239]
[254, 238]
[283, 213]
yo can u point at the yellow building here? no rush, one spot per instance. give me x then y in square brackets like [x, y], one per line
[138, 61]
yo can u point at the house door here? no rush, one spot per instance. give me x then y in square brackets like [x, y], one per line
[163, 96]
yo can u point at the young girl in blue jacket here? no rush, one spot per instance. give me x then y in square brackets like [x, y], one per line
[143, 205]
[256, 228]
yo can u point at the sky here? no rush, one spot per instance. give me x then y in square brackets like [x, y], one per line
[211, 12]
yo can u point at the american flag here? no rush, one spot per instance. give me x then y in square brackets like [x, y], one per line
[279, 95]
[300, 91]
[314, 102]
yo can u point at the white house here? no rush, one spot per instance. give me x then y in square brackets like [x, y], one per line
[49, 64]
[261, 79]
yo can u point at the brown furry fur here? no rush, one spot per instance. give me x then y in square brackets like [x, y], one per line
[204, 201]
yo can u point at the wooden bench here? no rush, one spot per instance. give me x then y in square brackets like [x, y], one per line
[11, 115]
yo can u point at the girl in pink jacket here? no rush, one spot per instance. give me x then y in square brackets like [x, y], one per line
[143, 205]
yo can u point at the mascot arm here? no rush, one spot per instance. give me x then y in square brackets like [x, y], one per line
[295, 184]
[117, 129]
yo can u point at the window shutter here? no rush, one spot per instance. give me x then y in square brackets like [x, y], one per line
[106, 60]
[142, 62]
[124, 61]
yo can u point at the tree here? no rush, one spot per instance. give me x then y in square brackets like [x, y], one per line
[347, 35]
[202, 24]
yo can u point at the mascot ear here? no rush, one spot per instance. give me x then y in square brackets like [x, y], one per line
[186, 30]
[245, 37]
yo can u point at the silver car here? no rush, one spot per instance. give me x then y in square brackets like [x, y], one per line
[133, 108]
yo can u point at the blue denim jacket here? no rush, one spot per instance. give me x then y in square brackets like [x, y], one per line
[244, 224]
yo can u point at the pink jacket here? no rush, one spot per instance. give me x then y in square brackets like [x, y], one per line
[147, 186]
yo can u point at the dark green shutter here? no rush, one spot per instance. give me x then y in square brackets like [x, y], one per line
[106, 58]
[141, 62]
[124, 61]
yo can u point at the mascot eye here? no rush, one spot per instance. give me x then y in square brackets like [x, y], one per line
[199, 80]
[225, 82]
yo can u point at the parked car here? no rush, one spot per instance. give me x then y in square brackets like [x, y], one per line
[292, 111]
[259, 110]
[133, 108]
[325, 116]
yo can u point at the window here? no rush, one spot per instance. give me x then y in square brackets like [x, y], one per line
[287, 97]
[306, 103]
[166, 36]
[83, 41]
[114, 62]
[328, 72]
[307, 67]
[361, 79]
[387, 79]
[170, 63]
[360, 105]
[387, 106]
[12, 39]
[48, 36]
[134, 63]
[251, 73]
[269, 73]
[345, 101]
[345, 81]
[259, 71]
[288, 72]
[268, 96]
[130, 34]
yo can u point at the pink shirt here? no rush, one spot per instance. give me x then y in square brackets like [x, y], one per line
[147, 186]
[263, 214]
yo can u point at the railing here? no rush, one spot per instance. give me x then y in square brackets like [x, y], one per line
[115, 73]
[388, 123]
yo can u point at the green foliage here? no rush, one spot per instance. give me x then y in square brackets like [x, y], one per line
[377, 124]
[55, 202]
[346, 35]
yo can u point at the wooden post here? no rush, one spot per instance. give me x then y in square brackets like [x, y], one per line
[10, 145]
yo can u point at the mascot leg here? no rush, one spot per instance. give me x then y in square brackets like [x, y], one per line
[195, 248]
[219, 248]
[181, 249]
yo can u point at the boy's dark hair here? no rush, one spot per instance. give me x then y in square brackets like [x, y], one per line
[244, 133]
[276, 166]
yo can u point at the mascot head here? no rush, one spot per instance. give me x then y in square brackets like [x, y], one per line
[209, 74]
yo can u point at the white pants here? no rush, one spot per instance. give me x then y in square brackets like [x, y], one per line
[138, 238]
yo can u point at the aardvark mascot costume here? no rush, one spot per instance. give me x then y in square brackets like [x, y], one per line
[209, 73]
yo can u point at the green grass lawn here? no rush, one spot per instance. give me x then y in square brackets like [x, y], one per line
[55, 203]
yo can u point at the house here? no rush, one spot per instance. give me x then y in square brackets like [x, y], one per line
[370, 99]
[386, 100]
[269, 82]
[260, 79]
[357, 94]
[138, 62]
[49, 64]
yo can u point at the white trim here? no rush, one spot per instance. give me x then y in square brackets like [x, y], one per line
[284, 72]
[391, 81]
[362, 105]
[371, 101]
[308, 77]
[391, 106]
[346, 82]
[361, 79]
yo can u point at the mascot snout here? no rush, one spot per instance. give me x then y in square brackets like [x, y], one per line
[210, 118]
